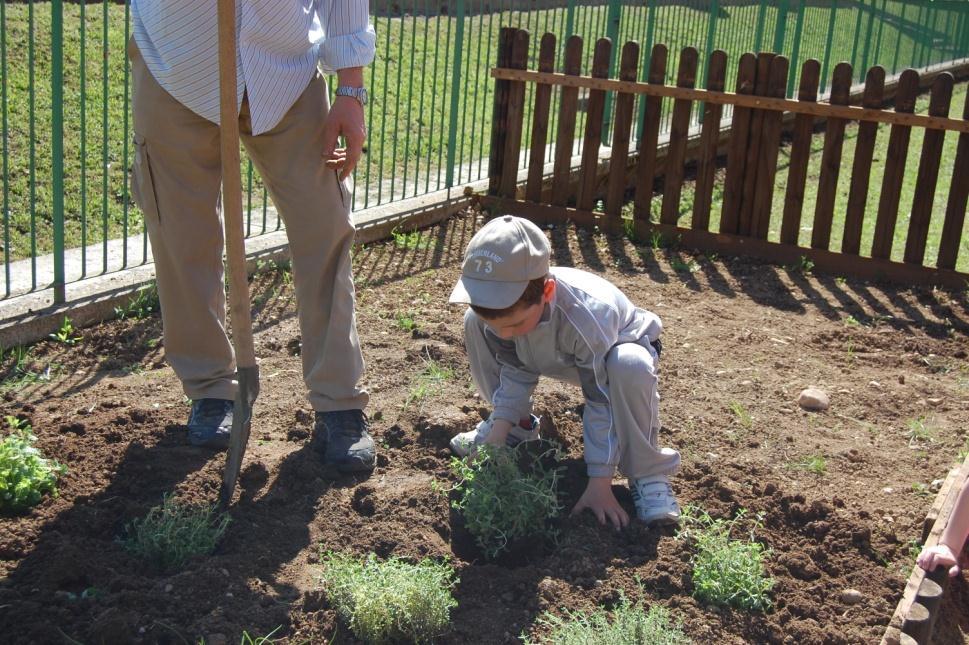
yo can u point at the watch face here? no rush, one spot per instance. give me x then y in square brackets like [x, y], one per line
[362, 95]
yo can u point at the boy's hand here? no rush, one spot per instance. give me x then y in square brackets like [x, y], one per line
[599, 499]
[499, 433]
[939, 556]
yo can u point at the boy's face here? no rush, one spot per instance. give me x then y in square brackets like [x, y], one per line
[524, 319]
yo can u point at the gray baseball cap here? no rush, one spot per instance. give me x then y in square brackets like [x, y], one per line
[501, 259]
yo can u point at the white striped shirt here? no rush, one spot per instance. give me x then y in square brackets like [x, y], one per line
[280, 43]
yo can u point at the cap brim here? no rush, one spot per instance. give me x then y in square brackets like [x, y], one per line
[487, 293]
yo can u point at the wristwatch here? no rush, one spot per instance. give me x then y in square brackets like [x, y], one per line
[359, 93]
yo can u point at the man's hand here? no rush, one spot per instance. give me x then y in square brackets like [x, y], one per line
[599, 499]
[939, 556]
[345, 118]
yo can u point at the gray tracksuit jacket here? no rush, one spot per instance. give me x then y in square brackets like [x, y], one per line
[587, 317]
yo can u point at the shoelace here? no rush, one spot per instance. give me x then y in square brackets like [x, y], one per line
[209, 411]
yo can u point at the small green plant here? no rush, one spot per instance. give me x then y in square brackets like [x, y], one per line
[813, 464]
[742, 415]
[630, 624]
[919, 432]
[142, 305]
[656, 240]
[174, 532]
[804, 265]
[412, 240]
[430, 381]
[25, 474]
[390, 601]
[66, 333]
[248, 639]
[20, 370]
[726, 571]
[506, 494]
[685, 266]
[921, 489]
[406, 322]
[851, 321]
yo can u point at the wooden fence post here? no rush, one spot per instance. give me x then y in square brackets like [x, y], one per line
[649, 138]
[622, 128]
[543, 99]
[800, 154]
[861, 167]
[498, 122]
[515, 116]
[679, 132]
[561, 186]
[709, 136]
[593, 128]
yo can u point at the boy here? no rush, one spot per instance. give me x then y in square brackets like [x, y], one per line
[526, 320]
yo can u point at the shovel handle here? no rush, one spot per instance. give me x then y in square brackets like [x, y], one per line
[235, 246]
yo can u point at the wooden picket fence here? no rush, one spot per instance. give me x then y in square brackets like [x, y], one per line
[751, 165]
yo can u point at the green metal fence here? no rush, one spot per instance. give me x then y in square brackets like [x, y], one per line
[65, 110]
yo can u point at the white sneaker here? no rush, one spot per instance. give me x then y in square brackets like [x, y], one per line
[654, 500]
[462, 444]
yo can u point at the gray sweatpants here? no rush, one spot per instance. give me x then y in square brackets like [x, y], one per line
[633, 398]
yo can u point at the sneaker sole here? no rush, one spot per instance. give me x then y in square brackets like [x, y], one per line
[663, 520]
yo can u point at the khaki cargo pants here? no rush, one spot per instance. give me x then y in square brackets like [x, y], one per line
[176, 179]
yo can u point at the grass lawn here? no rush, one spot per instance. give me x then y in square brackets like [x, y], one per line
[411, 80]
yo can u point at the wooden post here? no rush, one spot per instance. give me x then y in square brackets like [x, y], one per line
[834, 137]
[769, 149]
[593, 128]
[709, 136]
[955, 210]
[679, 131]
[561, 186]
[737, 153]
[753, 153]
[495, 158]
[928, 173]
[800, 154]
[646, 167]
[622, 127]
[515, 117]
[861, 167]
[543, 99]
[891, 192]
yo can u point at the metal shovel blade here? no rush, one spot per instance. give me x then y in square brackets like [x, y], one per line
[239, 434]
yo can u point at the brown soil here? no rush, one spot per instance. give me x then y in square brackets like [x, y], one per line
[736, 332]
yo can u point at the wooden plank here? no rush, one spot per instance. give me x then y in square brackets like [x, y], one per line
[646, 165]
[955, 210]
[725, 244]
[561, 184]
[849, 112]
[928, 173]
[515, 118]
[800, 154]
[737, 150]
[834, 136]
[770, 146]
[749, 184]
[622, 128]
[891, 190]
[679, 131]
[593, 128]
[861, 167]
[499, 124]
[709, 138]
[543, 99]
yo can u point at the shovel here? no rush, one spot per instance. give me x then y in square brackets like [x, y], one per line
[235, 249]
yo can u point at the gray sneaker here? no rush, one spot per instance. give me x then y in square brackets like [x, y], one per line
[209, 423]
[342, 437]
[462, 444]
[654, 500]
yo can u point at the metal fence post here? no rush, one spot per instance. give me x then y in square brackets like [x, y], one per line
[612, 32]
[795, 52]
[827, 45]
[57, 142]
[455, 94]
[569, 21]
[711, 37]
[867, 50]
[780, 29]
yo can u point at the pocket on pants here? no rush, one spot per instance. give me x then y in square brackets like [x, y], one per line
[345, 194]
[142, 184]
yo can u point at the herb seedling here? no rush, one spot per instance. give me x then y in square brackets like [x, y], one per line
[726, 571]
[174, 532]
[813, 464]
[742, 415]
[66, 333]
[390, 601]
[506, 494]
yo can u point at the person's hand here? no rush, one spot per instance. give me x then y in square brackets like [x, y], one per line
[499, 433]
[345, 118]
[939, 556]
[599, 499]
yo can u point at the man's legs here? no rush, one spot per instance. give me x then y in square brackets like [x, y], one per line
[175, 180]
[316, 209]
